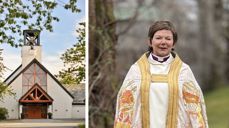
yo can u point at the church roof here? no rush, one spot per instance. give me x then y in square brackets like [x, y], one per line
[78, 91]
[12, 76]
[19, 70]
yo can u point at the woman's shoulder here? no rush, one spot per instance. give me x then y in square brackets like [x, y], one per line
[134, 68]
[185, 71]
[185, 67]
[186, 74]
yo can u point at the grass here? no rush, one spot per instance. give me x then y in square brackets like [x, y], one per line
[81, 126]
[217, 103]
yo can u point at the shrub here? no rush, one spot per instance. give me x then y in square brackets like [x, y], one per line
[3, 113]
[50, 115]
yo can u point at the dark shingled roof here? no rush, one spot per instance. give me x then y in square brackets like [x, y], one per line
[78, 91]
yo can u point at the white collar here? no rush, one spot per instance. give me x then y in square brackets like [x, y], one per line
[168, 61]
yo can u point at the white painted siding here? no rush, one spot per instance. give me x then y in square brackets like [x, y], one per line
[78, 111]
[62, 104]
[12, 102]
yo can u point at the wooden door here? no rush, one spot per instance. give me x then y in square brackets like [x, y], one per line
[35, 111]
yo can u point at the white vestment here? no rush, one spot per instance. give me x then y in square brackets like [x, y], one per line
[191, 106]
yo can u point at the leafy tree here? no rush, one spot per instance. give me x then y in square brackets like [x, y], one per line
[74, 60]
[16, 15]
[3, 88]
[2, 67]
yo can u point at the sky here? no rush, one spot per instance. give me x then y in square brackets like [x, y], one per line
[53, 43]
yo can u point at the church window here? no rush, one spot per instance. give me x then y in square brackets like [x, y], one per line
[34, 74]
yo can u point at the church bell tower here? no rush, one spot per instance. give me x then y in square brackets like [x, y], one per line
[31, 48]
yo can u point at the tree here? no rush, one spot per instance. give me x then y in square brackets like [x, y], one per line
[223, 14]
[74, 60]
[17, 15]
[213, 22]
[102, 82]
[3, 88]
[2, 67]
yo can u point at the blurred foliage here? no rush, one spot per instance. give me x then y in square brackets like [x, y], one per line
[217, 107]
[17, 15]
[3, 113]
[3, 88]
[74, 60]
[2, 67]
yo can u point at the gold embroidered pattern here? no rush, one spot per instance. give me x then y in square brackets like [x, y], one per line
[173, 93]
[191, 96]
[126, 103]
[159, 78]
[144, 90]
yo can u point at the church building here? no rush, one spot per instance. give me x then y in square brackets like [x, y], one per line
[38, 94]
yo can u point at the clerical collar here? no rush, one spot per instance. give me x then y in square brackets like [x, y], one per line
[160, 59]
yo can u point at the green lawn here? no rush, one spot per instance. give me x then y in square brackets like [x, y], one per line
[217, 103]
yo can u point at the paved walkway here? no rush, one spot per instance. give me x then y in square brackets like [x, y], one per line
[41, 123]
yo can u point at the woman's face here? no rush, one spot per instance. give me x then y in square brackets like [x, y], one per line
[162, 43]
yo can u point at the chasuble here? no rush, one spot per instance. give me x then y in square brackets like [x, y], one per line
[160, 95]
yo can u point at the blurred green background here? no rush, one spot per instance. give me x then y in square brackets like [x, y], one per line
[217, 103]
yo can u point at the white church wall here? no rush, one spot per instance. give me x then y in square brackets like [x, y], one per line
[78, 111]
[11, 103]
[62, 102]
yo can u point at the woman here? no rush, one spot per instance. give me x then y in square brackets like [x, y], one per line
[160, 91]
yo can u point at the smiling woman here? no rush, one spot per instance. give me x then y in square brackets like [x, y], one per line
[162, 37]
[160, 90]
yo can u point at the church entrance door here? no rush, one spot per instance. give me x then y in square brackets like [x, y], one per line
[35, 111]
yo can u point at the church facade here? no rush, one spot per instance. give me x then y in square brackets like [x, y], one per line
[38, 94]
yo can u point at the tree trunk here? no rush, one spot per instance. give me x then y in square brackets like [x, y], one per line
[210, 40]
[102, 41]
[225, 14]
